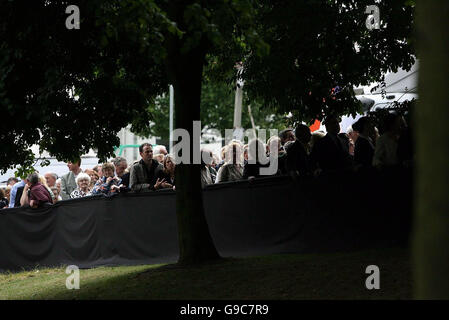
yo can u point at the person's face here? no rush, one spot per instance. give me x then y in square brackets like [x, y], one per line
[163, 151]
[51, 181]
[290, 137]
[169, 165]
[120, 169]
[83, 184]
[58, 185]
[56, 193]
[93, 178]
[73, 166]
[147, 153]
[108, 172]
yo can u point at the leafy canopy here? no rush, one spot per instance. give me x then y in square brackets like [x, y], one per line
[72, 90]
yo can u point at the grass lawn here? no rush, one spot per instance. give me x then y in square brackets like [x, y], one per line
[288, 276]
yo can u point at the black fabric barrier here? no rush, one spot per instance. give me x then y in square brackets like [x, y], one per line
[265, 216]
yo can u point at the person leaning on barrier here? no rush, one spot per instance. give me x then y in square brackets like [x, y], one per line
[211, 166]
[286, 135]
[232, 169]
[38, 195]
[83, 189]
[257, 159]
[169, 171]
[109, 183]
[147, 174]
[121, 170]
[24, 199]
[330, 153]
[206, 177]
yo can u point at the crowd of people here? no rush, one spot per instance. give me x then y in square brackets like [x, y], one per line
[298, 152]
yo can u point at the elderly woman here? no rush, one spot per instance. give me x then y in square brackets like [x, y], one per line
[83, 183]
[232, 169]
[109, 183]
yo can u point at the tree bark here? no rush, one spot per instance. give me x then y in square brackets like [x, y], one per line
[185, 71]
[431, 225]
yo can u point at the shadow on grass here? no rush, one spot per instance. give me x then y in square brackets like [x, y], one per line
[289, 276]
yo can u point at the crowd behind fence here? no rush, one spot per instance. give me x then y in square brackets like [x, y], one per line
[297, 152]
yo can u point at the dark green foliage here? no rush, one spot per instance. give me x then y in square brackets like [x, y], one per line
[116, 64]
[72, 90]
[312, 50]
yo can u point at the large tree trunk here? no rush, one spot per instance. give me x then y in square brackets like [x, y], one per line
[185, 71]
[431, 238]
